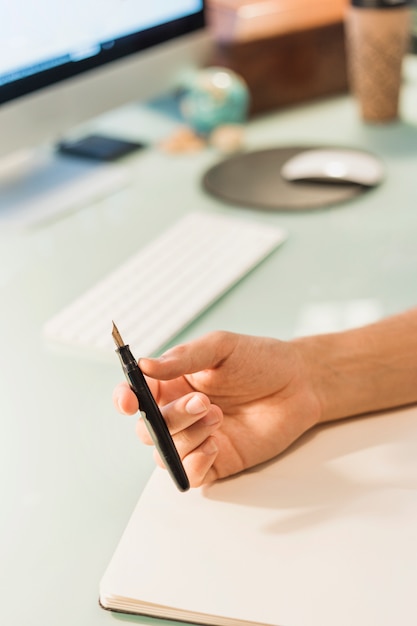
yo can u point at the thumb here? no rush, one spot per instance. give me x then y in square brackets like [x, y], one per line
[207, 352]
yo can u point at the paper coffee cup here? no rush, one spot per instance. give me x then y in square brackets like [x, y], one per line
[378, 33]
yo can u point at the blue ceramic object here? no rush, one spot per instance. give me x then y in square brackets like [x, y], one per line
[214, 97]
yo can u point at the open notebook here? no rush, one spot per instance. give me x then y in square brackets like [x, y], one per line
[325, 535]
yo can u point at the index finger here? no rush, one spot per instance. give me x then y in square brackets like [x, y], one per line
[207, 352]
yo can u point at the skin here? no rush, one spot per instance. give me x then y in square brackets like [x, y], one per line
[232, 401]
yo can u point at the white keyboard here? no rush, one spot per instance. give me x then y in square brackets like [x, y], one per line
[166, 285]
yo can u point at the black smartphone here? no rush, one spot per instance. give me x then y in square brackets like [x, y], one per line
[99, 147]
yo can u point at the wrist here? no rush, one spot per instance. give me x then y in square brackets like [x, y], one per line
[365, 369]
[342, 373]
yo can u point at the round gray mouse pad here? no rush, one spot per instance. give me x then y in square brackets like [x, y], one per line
[253, 179]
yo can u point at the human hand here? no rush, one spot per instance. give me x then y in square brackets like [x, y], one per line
[230, 401]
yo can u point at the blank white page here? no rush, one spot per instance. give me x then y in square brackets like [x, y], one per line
[325, 535]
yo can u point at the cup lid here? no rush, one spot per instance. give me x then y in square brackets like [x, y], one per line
[380, 4]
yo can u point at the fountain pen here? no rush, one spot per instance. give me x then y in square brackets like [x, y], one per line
[151, 414]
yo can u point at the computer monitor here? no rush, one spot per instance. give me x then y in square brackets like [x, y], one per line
[65, 63]
[62, 63]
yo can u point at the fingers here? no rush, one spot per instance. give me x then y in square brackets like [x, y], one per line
[193, 422]
[207, 352]
[124, 399]
[190, 419]
[199, 464]
[198, 459]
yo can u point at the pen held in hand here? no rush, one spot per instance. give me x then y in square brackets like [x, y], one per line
[151, 414]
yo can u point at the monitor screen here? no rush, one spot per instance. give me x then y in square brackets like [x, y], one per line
[46, 41]
[63, 62]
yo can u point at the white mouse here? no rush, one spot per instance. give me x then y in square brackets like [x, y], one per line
[333, 165]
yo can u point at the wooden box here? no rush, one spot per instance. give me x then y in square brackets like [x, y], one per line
[288, 51]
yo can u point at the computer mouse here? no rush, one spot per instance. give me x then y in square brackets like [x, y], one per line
[334, 165]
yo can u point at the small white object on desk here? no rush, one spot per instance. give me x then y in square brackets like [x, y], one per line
[334, 165]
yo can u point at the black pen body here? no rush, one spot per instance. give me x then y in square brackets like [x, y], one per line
[153, 418]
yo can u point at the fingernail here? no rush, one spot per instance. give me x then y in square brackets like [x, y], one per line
[210, 447]
[195, 406]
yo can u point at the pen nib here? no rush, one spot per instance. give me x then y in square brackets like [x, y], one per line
[116, 336]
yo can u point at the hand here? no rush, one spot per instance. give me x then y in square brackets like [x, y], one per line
[230, 401]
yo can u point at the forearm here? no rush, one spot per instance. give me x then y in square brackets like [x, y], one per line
[366, 369]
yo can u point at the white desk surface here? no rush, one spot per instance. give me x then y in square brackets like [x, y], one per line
[71, 467]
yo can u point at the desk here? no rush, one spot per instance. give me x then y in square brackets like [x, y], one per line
[71, 467]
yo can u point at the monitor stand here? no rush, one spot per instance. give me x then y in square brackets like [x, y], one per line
[42, 185]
